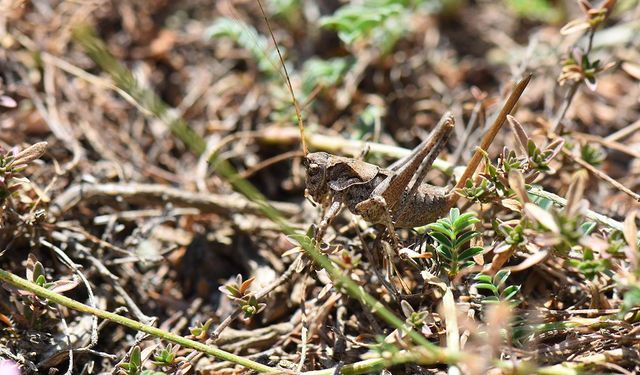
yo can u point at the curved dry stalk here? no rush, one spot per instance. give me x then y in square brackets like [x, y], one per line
[508, 106]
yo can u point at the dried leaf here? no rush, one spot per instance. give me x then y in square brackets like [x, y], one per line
[61, 286]
[596, 244]
[7, 102]
[414, 254]
[575, 192]
[516, 182]
[555, 147]
[34, 268]
[521, 136]
[246, 284]
[501, 248]
[512, 204]
[407, 309]
[584, 5]
[498, 318]
[608, 5]
[631, 69]
[500, 258]
[574, 26]
[450, 315]
[543, 217]
[598, 299]
[325, 289]
[292, 251]
[30, 153]
[530, 261]
[6, 320]
[630, 231]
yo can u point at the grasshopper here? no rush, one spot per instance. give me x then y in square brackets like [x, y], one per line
[395, 196]
[380, 195]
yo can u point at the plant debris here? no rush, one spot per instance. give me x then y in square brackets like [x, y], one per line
[151, 167]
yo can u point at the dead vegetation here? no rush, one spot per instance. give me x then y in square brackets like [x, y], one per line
[170, 189]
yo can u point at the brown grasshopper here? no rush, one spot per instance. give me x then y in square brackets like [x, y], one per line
[395, 196]
[381, 195]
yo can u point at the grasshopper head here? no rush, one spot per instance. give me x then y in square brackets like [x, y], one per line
[317, 164]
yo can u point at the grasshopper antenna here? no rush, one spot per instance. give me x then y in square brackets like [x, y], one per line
[488, 138]
[288, 80]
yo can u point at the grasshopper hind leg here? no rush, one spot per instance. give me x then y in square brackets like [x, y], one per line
[375, 210]
[426, 206]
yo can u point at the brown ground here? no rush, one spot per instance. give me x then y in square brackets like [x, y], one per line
[122, 200]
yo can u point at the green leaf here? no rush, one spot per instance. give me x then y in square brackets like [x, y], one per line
[128, 367]
[465, 220]
[509, 292]
[531, 148]
[483, 278]
[38, 270]
[454, 213]
[490, 287]
[445, 253]
[248, 38]
[361, 21]
[537, 10]
[501, 276]
[587, 227]
[442, 238]
[443, 226]
[233, 290]
[41, 280]
[136, 358]
[324, 72]
[631, 298]
[466, 237]
[470, 252]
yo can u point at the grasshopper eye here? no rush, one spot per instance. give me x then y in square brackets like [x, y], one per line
[313, 169]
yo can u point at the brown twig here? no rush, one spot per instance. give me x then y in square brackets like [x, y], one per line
[224, 204]
[624, 132]
[601, 175]
[611, 144]
[489, 136]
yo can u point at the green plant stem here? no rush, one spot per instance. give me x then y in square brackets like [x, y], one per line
[600, 218]
[377, 364]
[23, 284]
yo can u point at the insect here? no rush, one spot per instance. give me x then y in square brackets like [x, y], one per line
[380, 195]
[397, 196]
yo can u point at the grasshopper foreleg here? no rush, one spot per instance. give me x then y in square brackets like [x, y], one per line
[332, 211]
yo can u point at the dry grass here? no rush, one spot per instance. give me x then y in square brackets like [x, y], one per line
[148, 107]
